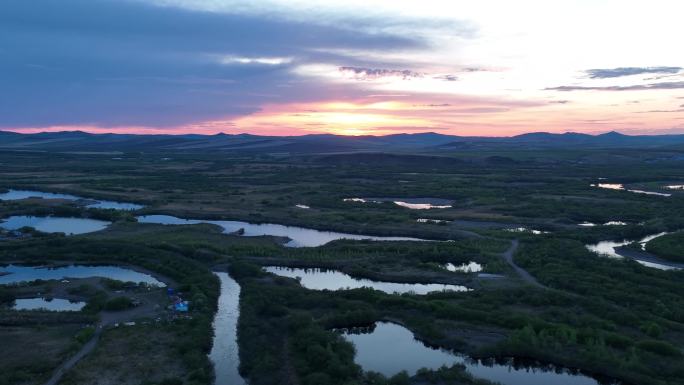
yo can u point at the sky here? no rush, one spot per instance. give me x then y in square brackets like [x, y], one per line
[353, 67]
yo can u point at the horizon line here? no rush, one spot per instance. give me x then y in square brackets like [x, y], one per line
[332, 134]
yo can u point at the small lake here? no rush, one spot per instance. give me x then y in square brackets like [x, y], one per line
[16, 274]
[68, 226]
[115, 206]
[526, 230]
[224, 352]
[299, 236]
[619, 186]
[609, 249]
[322, 279]
[410, 203]
[471, 267]
[609, 223]
[51, 304]
[428, 220]
[407, 353]
[96, 204]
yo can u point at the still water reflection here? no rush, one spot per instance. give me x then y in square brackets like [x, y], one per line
[224, 352]
[68, 226]
[390, 348]
[299, 236]
[51, 304]
[320, 279]
[16, 274]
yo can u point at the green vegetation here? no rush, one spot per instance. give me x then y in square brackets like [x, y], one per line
[190, 338]
[6, 296]
[22, 363]
[84, 335]
[135, 355]
[118, 304]
[670, 247]
[611, 317]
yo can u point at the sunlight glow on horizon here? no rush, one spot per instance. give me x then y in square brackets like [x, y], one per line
[485, 68]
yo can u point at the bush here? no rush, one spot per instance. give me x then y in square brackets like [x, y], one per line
[113, 284]
[171, 381]
[84, 335]
[659, 347]
[118, 304]
[651, 329]
[6, 296]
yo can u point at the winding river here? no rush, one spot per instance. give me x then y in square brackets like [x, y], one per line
[299, 236]
[225, 352]
[611, 249]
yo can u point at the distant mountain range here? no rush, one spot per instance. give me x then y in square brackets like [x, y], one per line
[77, 141]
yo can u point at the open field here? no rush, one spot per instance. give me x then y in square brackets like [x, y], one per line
[29, 353]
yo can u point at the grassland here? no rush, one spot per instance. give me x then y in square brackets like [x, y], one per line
[609, 317]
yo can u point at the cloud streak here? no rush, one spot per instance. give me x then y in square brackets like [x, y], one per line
[635, 87]
[361, 73]
[629, 71]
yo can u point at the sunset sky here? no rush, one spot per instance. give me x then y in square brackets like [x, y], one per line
[486, 67]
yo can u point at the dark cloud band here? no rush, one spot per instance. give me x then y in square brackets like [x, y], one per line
[116, 63]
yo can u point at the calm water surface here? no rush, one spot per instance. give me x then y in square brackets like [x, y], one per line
[608, 249]
[224, 352]
[609, 223]
[115, 206]
[471, 267]
[619, 186]
[69, 226]
[410, 203]
[299, 236]
[526, 230]
[52, 304]
[407, 353]
[98, 204]
[31, 273]
[320, 279]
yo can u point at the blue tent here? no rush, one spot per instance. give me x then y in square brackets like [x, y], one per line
[181, 306]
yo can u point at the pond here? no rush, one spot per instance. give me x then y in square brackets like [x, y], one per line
[299, 236]
[69, 226]
[526, 230]
[407, 353]
[321, 279]
[610, 249]
[410, 203]
[224, 352]
[619, 186]
[471, 267]
[609, 223]
[115, 206]
[16, 274]
[428, 220]
[96, 204]
[51, 304]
